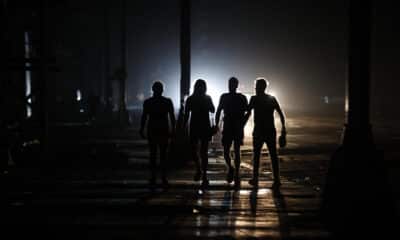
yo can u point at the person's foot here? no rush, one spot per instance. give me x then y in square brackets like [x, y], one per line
[253, 182]
[229, 177]
[197, 175]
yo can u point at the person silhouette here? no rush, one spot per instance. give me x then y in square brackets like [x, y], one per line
[156, 111]
[199, 106]
[264, 131]
[234, 106]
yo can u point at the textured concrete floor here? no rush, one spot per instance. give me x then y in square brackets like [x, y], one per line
[117, 203]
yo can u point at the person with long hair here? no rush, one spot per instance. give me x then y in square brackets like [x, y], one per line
[198, 107]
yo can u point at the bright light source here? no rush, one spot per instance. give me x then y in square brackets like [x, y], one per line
[140, 97]
[28, 88]
[195, 210]
[214, 93]
[78, 95]
[326, 99]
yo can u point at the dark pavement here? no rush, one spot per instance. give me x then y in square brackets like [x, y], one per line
[114, 202]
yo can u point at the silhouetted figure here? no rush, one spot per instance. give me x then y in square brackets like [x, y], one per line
[264, 106]
[199, 106]
[234, 106]
[156, 110]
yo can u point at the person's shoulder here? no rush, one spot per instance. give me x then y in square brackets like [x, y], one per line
[208, 97]
[189, 98]
[271, 97]
[252, 100]
[242, 96]
[224, 96]
[243, 99]
[168, 100]
[148, 100]
[147, 103]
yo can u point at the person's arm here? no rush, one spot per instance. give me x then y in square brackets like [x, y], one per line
[187, 112]
[219, 109]
[171, 113]
[211, 104]
[281, 116]
[250, 107]
[143, 120]
[211, 109]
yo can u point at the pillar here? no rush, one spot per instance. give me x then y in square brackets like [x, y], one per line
[356, 200]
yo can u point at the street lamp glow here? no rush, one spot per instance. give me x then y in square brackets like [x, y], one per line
[78, 95]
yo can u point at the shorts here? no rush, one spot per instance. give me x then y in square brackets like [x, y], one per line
[268, 138]
[233, 134]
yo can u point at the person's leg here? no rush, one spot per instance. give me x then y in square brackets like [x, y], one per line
[227, 156]
[257, 146]
[153, 156]
[163, 161]
[195, 157]
[236, 146]
[271, 144]
[204, 159]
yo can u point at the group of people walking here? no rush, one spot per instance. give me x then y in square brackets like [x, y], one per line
[158, 112]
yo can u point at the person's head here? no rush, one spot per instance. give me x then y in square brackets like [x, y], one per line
[157, 88]
[233, 84]
[200, 87]
[261, 85]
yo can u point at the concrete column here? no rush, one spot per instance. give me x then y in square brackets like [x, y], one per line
[179, 150]
[185, 48]
[356, 200]
[358, 126]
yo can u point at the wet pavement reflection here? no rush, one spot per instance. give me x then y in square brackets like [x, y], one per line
[119, 204]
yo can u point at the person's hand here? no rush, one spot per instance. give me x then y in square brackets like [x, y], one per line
[282, 140]
[283, 130]
[141, 132]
